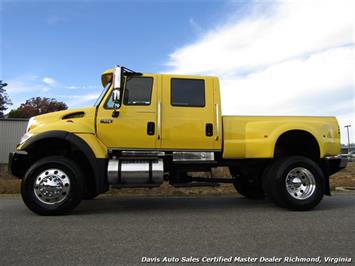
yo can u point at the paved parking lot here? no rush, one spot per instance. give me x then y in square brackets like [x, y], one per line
[113, 231]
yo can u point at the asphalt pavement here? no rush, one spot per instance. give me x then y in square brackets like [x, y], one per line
[127, 231]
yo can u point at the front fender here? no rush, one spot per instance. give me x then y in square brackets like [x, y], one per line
[88, 144]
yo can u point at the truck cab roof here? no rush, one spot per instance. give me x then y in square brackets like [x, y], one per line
[106, 76]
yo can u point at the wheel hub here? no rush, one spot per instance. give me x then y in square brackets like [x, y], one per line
[300, 183]
[296, 182]
[52, 186]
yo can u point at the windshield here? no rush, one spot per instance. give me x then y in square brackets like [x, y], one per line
[102, 94]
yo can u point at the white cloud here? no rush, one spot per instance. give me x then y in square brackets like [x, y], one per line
[49, 81]
[25, 87]
[45, 89]
[80, 100]
[297, 60]
[72, 87]
[28, 86]
[293, 86]
[19, 86]
[195, 26]
[296, 29]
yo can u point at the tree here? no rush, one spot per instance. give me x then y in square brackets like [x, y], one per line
[4, 99]
[37, 106]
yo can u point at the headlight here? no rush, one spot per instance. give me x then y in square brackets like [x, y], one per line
[25, 137]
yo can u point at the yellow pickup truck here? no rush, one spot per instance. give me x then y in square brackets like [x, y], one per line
[147, 128]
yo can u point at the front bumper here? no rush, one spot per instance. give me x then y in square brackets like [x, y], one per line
[18, 164]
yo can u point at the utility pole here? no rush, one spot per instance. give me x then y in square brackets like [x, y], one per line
[349, 148]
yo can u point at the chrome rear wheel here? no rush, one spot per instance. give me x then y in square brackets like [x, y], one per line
[300, 183]
[294, 182]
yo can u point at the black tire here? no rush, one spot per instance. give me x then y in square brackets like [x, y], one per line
[295, 195]
[249, 189]
[69, 201]
[90, 195]
[266, 181]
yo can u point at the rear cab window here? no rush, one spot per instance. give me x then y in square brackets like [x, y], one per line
[187, 92]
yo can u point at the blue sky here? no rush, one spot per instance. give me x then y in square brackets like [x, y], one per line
[273, 57]
[71, 43]
[46, 37]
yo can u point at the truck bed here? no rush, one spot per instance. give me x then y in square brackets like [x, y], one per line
[256, 136]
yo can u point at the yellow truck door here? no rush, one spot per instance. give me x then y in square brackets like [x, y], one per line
[189, 114]
[136, 126]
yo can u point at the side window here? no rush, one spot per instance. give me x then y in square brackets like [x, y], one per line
[109, 103]
[187, 92]
[138, 91]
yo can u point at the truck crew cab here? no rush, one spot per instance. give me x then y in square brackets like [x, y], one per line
[147, 128]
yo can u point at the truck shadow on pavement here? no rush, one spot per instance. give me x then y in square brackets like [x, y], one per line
[186, 204]
[192, 204]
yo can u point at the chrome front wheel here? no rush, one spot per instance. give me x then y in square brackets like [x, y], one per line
[52, 186]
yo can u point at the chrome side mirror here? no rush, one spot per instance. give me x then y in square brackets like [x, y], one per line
[117, 77]
[116, 96]
[116, 93]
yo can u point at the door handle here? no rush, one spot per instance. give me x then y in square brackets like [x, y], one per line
[209, 129]
[150, 128]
